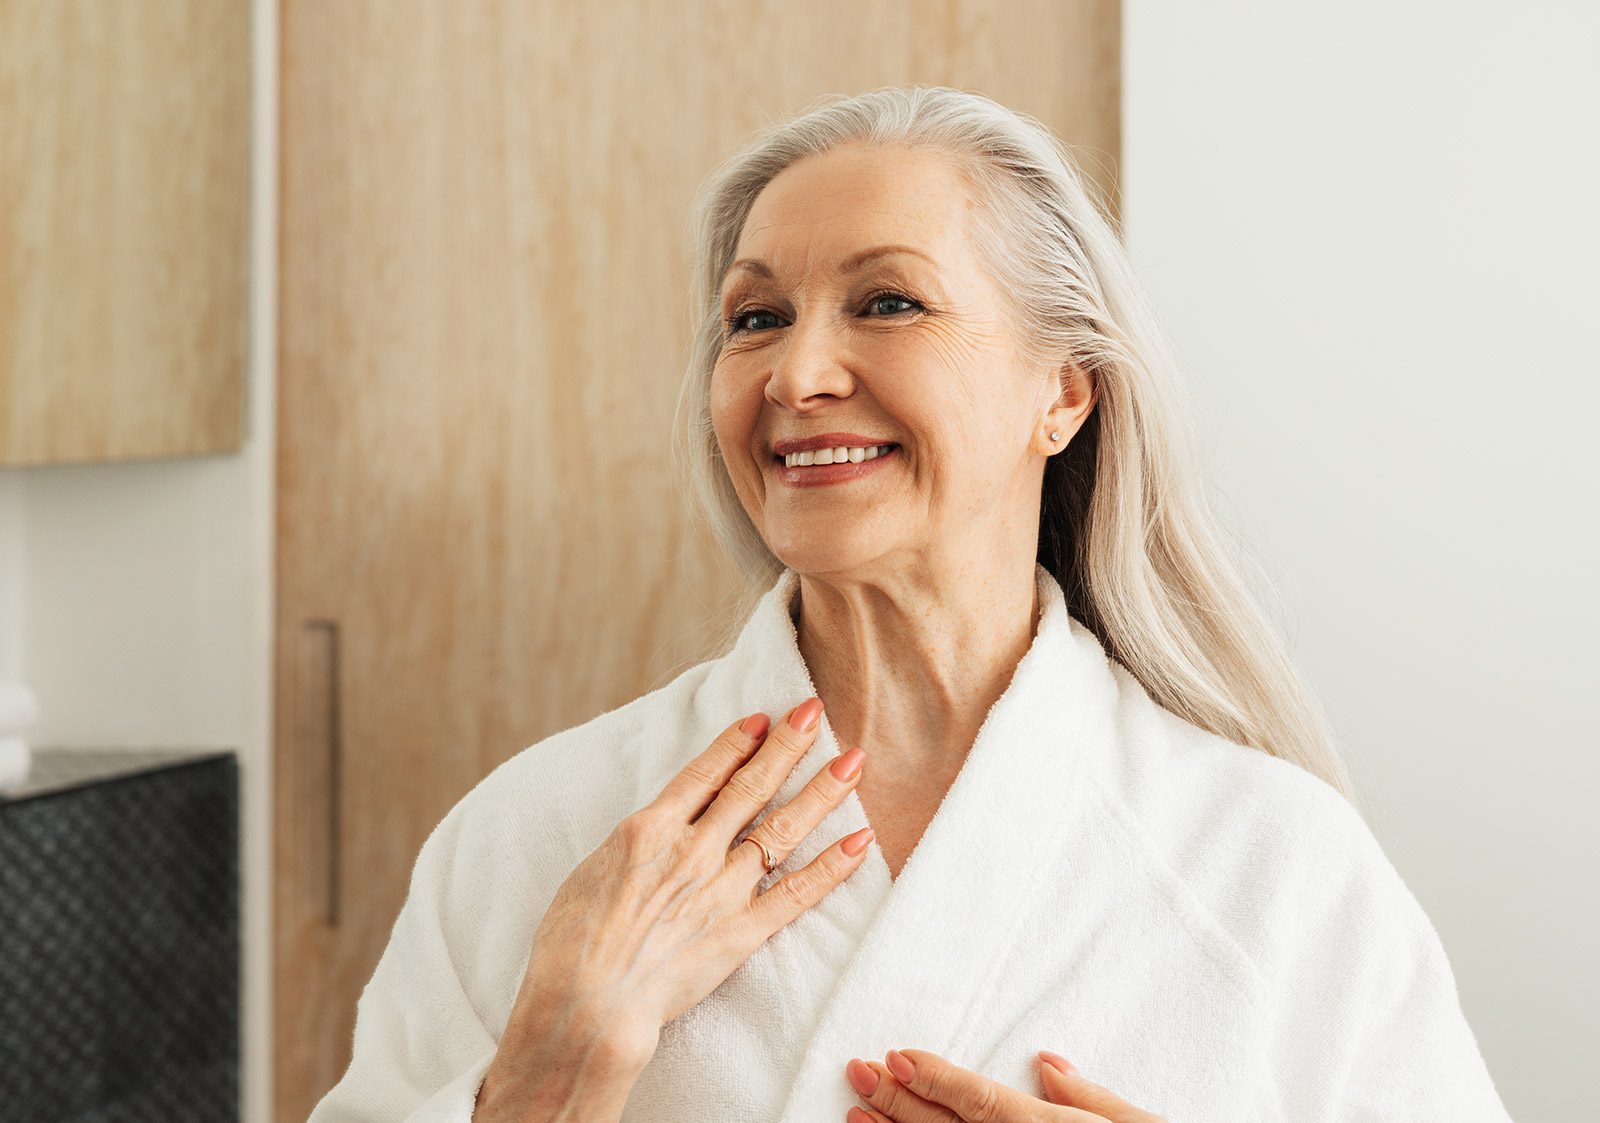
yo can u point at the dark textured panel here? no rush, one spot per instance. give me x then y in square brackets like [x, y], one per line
[56, 769]
[119, 949]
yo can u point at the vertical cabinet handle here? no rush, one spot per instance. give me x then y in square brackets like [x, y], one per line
[319, 712]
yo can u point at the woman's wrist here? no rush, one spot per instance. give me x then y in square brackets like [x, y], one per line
[574, 1068]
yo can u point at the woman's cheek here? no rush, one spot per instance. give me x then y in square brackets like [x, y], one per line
[735, 403]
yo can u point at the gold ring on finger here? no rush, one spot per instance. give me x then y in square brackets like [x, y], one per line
[767, 860]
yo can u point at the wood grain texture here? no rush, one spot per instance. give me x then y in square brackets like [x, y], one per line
[484, 322]
[124, 228]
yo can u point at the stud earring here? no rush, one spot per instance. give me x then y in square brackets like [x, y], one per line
[1054, 436]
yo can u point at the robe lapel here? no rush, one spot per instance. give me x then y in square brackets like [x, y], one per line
[933, 940]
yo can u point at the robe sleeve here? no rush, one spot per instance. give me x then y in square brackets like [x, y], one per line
[1414, 1056]
[421, 1046]
[1370, 1026]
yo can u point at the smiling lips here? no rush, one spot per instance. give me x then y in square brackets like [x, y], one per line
[855, 454]
[815, 474]
[825, 440]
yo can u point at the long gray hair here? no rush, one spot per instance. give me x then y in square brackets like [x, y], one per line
[1124, 524]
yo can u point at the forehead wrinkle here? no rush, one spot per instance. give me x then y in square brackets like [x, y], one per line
[754, 266]
[853, 263]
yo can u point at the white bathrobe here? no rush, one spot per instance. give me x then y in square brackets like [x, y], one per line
[1211, 933]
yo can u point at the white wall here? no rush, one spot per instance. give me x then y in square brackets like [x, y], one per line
[12, 575]
[133, 624]
[1370, 230]
[136, 597]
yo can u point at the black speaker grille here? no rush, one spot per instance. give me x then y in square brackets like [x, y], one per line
[119, 945]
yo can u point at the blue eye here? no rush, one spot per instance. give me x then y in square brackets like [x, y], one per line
[734, 324]
[891, 296]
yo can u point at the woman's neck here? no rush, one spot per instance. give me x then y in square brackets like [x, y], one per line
[909, 668]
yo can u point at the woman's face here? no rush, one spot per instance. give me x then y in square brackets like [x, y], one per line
[901, 349]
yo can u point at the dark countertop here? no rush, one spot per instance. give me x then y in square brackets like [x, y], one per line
[59, 769]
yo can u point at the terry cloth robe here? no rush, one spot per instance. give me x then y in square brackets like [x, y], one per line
[1210, 932]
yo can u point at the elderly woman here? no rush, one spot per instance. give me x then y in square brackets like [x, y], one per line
[1004, 763]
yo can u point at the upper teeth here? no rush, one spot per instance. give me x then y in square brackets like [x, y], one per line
[854, 454]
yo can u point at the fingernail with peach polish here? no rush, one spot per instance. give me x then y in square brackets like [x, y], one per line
[900, 1064]
[862, 1077]
[805, 714]
[856, 843]
[848, 764]
[1056, 1061]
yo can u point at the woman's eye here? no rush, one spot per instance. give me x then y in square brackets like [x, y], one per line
[882, 296]
[735, 323]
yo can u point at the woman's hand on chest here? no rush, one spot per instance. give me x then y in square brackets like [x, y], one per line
[915, 1086]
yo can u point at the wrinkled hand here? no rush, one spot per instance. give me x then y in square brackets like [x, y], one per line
[932, 1090]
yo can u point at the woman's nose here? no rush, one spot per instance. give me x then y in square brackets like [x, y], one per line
[808, 366]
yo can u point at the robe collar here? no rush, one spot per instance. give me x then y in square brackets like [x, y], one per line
[935, 937]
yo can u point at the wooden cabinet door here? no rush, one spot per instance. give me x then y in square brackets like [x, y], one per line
[124, 228]
[483, 329]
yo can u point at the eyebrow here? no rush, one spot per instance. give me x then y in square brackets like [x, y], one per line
[850, 264]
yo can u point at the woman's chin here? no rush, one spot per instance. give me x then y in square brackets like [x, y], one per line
[826, 550]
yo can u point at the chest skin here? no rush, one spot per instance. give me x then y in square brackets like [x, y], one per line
[899, 804]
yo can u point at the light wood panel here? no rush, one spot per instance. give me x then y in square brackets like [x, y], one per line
[484, 325]
[124, 228]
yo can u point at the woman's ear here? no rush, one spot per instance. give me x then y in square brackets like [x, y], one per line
[1079, 393]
